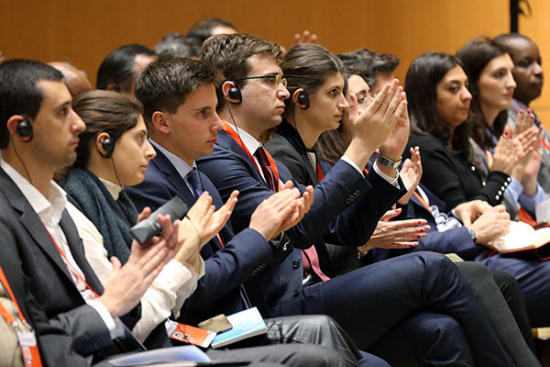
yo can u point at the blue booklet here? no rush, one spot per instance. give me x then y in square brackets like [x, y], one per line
[246, 324]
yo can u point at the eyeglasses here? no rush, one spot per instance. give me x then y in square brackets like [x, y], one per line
[273, 80]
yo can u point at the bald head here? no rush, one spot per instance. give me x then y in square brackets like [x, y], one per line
[75, 79]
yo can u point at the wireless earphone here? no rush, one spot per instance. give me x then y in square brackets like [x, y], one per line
[24, 130]
[303, 99]
[108, 145]
[235, 94]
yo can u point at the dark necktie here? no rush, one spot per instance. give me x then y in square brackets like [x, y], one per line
[194, 181]
[269, 175]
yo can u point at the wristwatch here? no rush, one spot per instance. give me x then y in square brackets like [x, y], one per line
[385, 161]
[472, 234]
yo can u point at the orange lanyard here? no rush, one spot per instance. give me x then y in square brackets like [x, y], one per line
[422, 200]
[229, 130]
[29, 350]
[543, 141]
[71, 268]
[5, 314]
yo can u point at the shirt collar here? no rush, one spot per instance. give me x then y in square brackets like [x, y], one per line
[113, 188]
[181, 166]
[517, 105]
[248, 140]
[54, 203]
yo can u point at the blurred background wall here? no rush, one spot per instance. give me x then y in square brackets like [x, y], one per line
[84, 32]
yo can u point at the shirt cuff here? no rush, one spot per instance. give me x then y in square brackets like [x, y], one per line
[352, 163]
[115, 330]
[514, 190]
[391, 180]
[530, 202]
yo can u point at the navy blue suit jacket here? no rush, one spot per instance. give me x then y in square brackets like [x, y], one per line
[226, 267]
[342, 213]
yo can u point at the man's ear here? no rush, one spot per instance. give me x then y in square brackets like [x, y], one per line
[232, 93]
[160, 122]
[113, 87]
[12, 124]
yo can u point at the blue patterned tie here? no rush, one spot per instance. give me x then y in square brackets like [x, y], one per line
[194, 181]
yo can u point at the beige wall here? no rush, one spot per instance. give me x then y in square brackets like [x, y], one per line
[83, 32]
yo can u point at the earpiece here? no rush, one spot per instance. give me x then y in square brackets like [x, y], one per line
[235, 94]
[108, 145]
[24, 130]
[303, 99]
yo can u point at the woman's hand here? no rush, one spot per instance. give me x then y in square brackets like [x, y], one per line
[398, 234]
[504, 158]
[411, 173]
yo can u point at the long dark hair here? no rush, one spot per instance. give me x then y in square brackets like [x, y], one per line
[475, 55]
[421, 81]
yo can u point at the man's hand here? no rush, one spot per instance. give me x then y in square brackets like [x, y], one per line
[469, 211]
[411, 173]
[271, 217]
[127, 284]
[305, 37]
[491, 225]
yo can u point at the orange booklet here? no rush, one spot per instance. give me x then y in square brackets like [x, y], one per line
[189, 334]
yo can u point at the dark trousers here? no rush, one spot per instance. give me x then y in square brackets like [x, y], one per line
[371, 301]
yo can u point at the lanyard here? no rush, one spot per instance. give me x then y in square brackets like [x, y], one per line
[71, 268]
[27, 339]
[320, 172]
[422, 200]
[231, 132]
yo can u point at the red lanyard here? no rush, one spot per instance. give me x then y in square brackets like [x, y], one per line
[29, 349]
[229, 130]
[71, 269]
[320, 172]
[220, 239]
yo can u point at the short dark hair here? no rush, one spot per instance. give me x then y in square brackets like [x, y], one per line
[502, 39]
[176, 44]
[119, 67]
[165, 83]
[475, 55]
[368, 64]
[230, 52]
[103, 111]
[202, 30]
[423, 76]
[19, 92]
[307, 66]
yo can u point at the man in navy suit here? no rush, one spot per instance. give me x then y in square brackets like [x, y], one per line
[180, 110]
[377, 305]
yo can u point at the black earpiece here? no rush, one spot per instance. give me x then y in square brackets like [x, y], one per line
[24, 130]
[108, 145]
[303, 100]
[235, 94]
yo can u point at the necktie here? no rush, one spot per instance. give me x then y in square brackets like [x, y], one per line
[312, 264]
[194, 181]
[269, 175]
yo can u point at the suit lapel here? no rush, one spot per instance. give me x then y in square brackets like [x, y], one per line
[77, 250]
[30, 221]
[164, 166]
[226, 142]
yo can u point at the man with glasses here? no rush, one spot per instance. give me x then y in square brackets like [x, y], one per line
[380, 306]
[179, 102]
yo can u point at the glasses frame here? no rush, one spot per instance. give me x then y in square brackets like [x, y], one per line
[279, 79]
